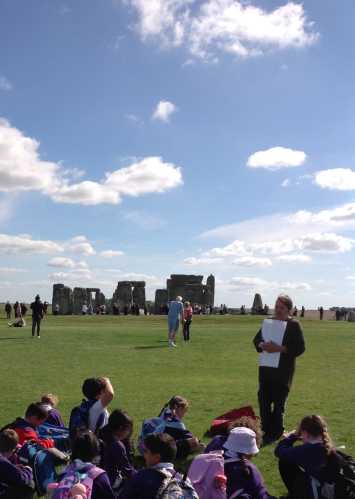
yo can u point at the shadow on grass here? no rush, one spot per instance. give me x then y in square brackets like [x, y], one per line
[150, 347]
[12, 338]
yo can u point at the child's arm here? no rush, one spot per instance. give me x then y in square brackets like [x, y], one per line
[108, 394]
[16, 475]
[285, 450]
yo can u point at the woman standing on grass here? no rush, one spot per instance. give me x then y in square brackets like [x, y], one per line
[187, 320]
[279, 341]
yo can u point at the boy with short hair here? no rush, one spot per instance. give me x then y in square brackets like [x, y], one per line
[26, 428]
[100, 392]
[159, 455]
[15, 480]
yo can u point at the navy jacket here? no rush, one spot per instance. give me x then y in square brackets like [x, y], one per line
[12, 475]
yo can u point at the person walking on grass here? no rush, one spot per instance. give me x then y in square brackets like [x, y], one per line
[187, 320]
[37, 315]
[8, 310]
[175, 315]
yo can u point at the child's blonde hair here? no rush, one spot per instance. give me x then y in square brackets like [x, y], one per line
[49, 398]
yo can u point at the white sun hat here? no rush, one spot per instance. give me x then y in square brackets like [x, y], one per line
[243, 441]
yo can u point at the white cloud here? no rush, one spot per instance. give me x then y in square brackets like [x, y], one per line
[68, 263]
[350, 277]
[294, 258]
[133, 118]
[5, 84]
[21, 169]
[14, 245]
[193, 261]
[340, 179]
[276, 158]
[111, 253]
[163, 111]
[286, 182]
[253, 261]
[80, 245]
[230, 26]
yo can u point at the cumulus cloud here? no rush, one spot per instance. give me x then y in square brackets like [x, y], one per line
[14, 245]
[163, 111]
[66, 262]
[80, 245]
[252, 261]
[5, 84]
[276, 158]
[111, 253]
[22, 169]
[286, 182]
[229, 26]
[340, 179]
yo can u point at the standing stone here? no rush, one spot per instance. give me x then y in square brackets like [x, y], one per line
[351, 316]
[123, 294]
[161, 301]
[138, 294]
[63, 297]
[80, 296]
[257, 307]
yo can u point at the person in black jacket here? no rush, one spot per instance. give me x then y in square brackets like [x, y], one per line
[37, 315]
[275, 382]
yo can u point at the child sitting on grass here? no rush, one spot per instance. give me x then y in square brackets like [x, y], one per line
[50, 403]
[244, 422]
[242, 475]
[298, 464]
[115, 456]
[173, 413]
[26, 428]
[16, 481]
[85, 451]
[152, 482]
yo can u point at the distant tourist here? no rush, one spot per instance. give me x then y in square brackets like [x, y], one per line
[8, 310]
[175, 315]
[242, 310]
[302, 311]
[321, 313]
[84, 309]
[37, 316]
[45, 307]
[56, 309]
[17, 310]
[295, 312]
[187, 320]
[23, 309]
[18, 322]
[278, 342]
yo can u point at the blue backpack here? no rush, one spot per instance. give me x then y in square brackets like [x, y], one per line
[79, 418]
[42, 462]
[152, 426]
[59, 435]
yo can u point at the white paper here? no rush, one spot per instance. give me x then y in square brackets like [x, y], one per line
[272, 330]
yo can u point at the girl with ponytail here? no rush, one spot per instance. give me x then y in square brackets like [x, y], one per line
[298, 464]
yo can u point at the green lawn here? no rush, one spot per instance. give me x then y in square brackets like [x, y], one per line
[216, 372]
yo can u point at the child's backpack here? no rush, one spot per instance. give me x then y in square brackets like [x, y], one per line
[207, 475]
[339, 478]
[79, 418]
[152, 426]
[59, 435]
[78, 479]
[220, 424]
[175, 487]
[42, 462]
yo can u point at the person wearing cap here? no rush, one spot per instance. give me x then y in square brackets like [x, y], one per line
[37, 315]
[275, 379]
[244, 480]
[175, 315]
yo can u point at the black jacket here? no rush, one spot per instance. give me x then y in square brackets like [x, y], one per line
[293, 340]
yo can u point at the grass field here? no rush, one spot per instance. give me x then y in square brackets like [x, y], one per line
[216, 372]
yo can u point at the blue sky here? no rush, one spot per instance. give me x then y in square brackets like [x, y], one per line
[211, 136]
